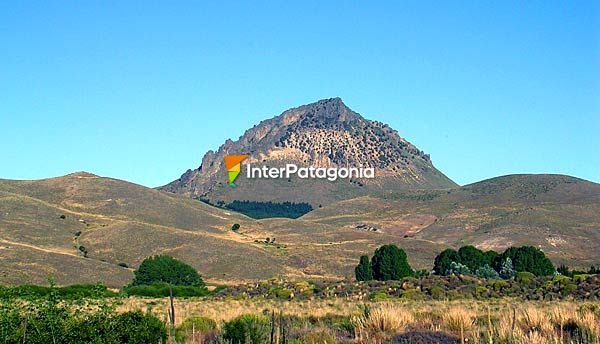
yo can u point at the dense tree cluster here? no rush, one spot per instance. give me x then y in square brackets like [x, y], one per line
[528, 258]
[389, 263]
[262, 210]
[470, 260]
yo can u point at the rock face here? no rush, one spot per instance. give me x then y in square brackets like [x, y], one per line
[322, 134]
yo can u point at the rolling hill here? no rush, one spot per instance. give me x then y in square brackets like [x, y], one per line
[82, 228]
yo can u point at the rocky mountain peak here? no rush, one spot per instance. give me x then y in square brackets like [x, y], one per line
[322, 134]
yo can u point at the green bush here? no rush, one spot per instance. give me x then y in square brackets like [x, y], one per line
[137, 327]
[580, 277]
[487, 272]
[49, 323]
[194, 325]
[380, 296]
[282, 293]
[412, 294]
[568, 289]
[437, 292]
[524, 277]
[168, 270]
[247, 329]
[75, 291]
[162, 290]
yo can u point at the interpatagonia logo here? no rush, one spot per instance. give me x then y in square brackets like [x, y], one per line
[233, 165]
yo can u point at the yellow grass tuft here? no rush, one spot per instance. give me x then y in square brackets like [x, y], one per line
[459, 319]
[383, 320]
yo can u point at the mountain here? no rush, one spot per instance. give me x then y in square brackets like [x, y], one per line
[82, 228]
[322, 134]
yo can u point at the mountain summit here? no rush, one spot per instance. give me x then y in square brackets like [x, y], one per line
[323, 134]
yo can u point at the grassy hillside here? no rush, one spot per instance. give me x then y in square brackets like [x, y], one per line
[83, 228]
[44, 225]
[559, 214]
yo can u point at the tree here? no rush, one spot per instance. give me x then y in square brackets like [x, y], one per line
[530, 259]
[443, 260]
[506, 269]
[364, 271]
[471, 257]
[489, 257]
[166, 269]
[390, 263]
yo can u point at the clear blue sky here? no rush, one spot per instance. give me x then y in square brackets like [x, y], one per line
[141, 90]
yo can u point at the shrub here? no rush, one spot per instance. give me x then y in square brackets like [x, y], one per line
[50, 323]
[390, 263]
[487, 272]
[320, 335]
[412, 294]
[162, 290]
[380, 296]
[580, 277]
[168, 270]
[568, 289]
[247, 329]
[137, 327]
[282, 293]
[364, 271]
[437, 292]
[235, 227]
[457, 269]
[74, 291]
[194, 325]
[524, 277]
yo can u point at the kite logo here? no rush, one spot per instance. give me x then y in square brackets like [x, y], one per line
[233, 165]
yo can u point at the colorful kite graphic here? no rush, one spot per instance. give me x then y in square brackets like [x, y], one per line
[233, 165]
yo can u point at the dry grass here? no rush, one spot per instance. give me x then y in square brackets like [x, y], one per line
[498, 321]
[381, 321]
